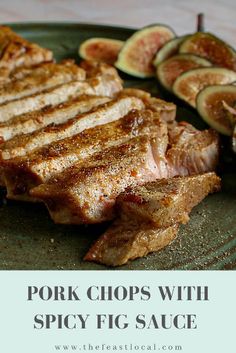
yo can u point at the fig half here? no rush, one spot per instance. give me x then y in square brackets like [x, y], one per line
[170, 69]
[136, 56]
[190, 83]
[210, 47]
[101, 49]
[169, 49]
[212, 105]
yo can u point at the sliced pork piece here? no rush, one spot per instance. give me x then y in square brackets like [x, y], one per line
[127, 241]
[149, 216]
[114, 110]
[41, 78]
[23, 173]
[166, 110]
[87, 193]
[38, 119]
[17, 51]
[192, 151]
[94, 68]
[167, 201]
[99, 86]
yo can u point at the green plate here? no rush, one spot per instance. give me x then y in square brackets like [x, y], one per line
[30, 240]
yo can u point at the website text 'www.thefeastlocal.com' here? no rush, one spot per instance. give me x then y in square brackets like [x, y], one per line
[118, 347]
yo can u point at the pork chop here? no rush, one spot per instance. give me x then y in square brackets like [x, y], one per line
[87, 193]
[166, 110]
[23, 173]
[191, 151]
[17, 51]
[149, 216]
[127, 241]
[111, 111]
[58, 114]
[41, 78]
[167, 201]
[100, 85]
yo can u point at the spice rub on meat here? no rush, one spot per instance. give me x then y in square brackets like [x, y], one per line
[92, 151]
[149, 217]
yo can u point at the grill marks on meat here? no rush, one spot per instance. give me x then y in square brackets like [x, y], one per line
[36, 120]
[44, 163]
[98, 86]
[16, 51]
[104, 114]
[149, 216]
[89, 191]
[41, 78]
[73, 138]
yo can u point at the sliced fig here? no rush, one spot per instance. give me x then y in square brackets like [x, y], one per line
[170, 69]
[212, 105]
[190, 83]
[210, 47]
[101, 49]
[136, 56]
[169, 49]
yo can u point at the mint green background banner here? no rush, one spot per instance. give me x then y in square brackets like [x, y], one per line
[215, 318]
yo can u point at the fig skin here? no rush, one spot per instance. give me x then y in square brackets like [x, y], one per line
[136, 56]
[169, 49]
[191, 82]
[101, 49]
[210, 106]
[211, 48]
[170, 69]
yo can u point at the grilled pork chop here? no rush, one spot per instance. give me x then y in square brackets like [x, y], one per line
[38, 119]
[100, 85]
[167, 201]
[164, 168]
[86, 193]
[17, 51]
[127, 241]
[114, 110]
[23, 173]
[149, 216]
[166, 110]
[192, 151]
[41, 78]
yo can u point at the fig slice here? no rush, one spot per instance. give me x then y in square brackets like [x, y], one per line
[170, 69]
[169, 49]
[210, 47]
[136, 56]
[101, 49]
[212, 105]
[191, 82]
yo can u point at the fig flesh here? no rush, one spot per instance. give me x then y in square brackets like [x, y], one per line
[101, 49]
[212, 105]
[170, 69]
[190, 83]
[169, 49]
[136, 56]
[210, 47]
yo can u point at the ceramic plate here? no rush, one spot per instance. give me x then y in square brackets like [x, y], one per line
[30, 240]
